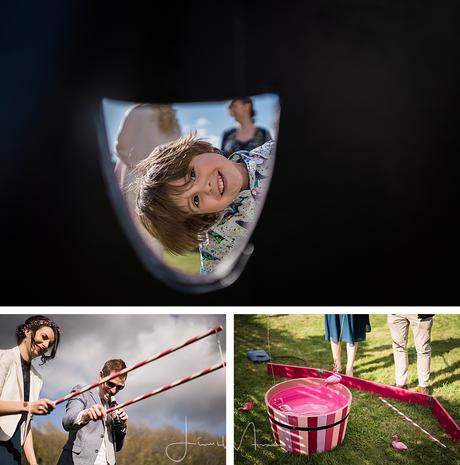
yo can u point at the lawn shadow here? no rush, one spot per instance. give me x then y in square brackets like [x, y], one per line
[438, 349]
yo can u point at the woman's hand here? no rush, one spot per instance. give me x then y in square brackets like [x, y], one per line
[41, 407]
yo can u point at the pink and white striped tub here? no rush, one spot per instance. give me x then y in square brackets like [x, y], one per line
[307, 415]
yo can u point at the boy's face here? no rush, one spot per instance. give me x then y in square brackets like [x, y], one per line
[213, 182]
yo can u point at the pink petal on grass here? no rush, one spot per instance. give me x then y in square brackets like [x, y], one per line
[247, 406]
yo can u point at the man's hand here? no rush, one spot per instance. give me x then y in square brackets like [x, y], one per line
[94, 413]
[41, 407]
[120, 418]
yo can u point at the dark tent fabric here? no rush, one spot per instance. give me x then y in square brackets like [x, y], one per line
[363, 205]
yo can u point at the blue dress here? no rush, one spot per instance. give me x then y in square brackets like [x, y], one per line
[10, 451]
[348, 328]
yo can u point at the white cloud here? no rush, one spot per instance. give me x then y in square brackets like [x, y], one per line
[202, 121]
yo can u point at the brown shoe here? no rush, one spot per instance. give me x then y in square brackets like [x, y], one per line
[401, 387]
[424, 390]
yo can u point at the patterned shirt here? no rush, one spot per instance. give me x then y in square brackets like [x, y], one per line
[232, 230]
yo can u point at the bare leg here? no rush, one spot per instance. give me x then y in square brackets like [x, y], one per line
[352, 348]
[336, 348]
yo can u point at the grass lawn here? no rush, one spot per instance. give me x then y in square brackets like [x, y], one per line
[299, 340]
[189, 263]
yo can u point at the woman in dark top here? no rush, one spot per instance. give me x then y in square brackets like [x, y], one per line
[247, 136]
[20, 385]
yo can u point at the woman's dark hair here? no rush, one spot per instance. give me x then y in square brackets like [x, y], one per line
[34, 323]
[246, 100]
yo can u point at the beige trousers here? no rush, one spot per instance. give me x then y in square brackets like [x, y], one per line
[421, 329]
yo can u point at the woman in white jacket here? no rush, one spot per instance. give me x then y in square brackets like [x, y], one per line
[20, 385]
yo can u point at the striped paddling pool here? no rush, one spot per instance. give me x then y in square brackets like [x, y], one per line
[307, 415]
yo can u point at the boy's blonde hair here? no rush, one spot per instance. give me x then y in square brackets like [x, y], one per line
[178, 231]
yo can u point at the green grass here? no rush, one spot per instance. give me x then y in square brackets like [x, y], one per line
[299, 340]
[189, 263]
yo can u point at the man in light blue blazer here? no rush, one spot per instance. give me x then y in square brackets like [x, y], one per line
[94, 436]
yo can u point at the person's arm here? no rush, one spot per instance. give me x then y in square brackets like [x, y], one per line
[10, 407]
[77, 415]
[39, 407]
[28, 448]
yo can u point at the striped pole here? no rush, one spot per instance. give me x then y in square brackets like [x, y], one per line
[412, 422]
[166, 387]
[115, 374]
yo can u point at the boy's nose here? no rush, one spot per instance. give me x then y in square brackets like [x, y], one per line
[207, 185]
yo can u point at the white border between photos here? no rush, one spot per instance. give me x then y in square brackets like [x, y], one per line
[229, 312]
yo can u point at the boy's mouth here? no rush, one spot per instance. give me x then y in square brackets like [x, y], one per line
[220, 183]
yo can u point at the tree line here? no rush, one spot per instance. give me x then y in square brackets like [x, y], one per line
[143, 446]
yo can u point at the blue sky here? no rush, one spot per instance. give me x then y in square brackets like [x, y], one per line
[209, 119]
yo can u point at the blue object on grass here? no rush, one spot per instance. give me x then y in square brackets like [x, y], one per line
[258, 356]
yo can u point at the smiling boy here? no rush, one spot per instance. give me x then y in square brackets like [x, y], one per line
[189, 194]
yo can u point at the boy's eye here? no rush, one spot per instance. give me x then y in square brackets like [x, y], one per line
[196, 201]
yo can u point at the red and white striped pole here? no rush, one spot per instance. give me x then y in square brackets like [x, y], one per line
[115, 374]
[412, 422]
[167, 387]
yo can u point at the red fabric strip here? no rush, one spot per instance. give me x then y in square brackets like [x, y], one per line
[330, 431]
[274, 426]
[445, 420]
[342, 426]
[294, 434]
[312, 422]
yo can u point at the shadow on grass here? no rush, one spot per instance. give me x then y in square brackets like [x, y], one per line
[438, 348]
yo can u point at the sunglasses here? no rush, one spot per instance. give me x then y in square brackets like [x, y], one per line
[111, 385]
